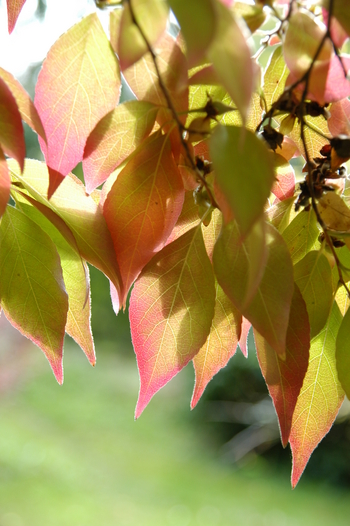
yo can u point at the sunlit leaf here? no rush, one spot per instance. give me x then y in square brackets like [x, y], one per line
[339, 121]
[78, 84]
[25, 105]
[143, 206]
[32, 290]
[275, 77]
[314, 135]
[11, 129]
[5, 183]
[313, 275]
[114, 138]
[342, 354]
[284, 186]
[338, 85]
[280, 214]
[171, 311]
[301, 234]
[79, 211]
[220, 345]
[253, 15]
[320, 397]
[14, 8]
[232, 63]
[284, 378]
[197, 20]
[151, 16]
[340, 10]
[244, 172]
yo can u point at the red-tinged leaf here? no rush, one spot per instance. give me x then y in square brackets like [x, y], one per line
[143, 80]
[231, 59]
[244, 172]
[337, 86]
[171, 311]
[284, 186]
[341, 12]
[301, 234]
[197, 20]
[14, 7]
[151, 16]
[11, 129]
[243, 340]
[338, 33]
[342, 353]
[32, 290]
[114, 138]
[281, 213]
[5, 183]
[268, 311]
[320, 397]
[143, 206]
[239, 265]
[78, 84]
[315, 135]
[275, 77]
[25, 105]
[75, 276]
[220, 345]
[313, 275]
[188, 218]
[339, 121]
[79, 211]
[284, 378]
[301, 42]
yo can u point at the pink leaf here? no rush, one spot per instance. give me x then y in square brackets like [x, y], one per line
[338, 33]
[14, 8]
[5, 183]
[337, 86]
[243, 340]
[284, 186]
[171, 310]
[142, 207]
[78, 84]
[11, 129]
[284, 378]
[339, 121]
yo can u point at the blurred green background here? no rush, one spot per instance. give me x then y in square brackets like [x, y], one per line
[73, 454]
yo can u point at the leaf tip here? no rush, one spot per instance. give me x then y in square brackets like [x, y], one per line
[55, 180]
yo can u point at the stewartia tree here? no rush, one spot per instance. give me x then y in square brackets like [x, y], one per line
[199, 209]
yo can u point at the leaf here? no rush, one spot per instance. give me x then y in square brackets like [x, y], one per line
[284, 378]
[301, 42]
[5, 183]
[143, 80]
[280, 214]
[342, 354]
[25, 105]
[151, 17]
[79, 211]
[301, 234]
[187, 219]
[338, 85]
[339, 121]
[244, 172]
[143, 206]
[171, 311]
[315, 138]
[275, 77]
[284, 186]
[320, 397]
[313, 276]
[341, 13]
[114, 138]
[220, 345]
[32, 291]
[335, 213]
[232, 62]
[78, 84]
[11, 129]
[14, 8]
[243, 340]
[197, 20]
[253, 15]
[76, 280]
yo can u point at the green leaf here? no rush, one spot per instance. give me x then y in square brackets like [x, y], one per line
[197, 20]
[301, 234]
[342, 353]
[171, 311]
[244, 172]
[32, 290]
[313, 275]
[320, 397]
[275, 77]
[114, 138]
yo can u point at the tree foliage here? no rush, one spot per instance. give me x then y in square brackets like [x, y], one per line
[202, 208]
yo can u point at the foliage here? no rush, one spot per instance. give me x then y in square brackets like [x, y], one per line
[198, 208]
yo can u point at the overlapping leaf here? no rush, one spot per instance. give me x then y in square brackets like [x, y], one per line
[313, 276]
[114, 138]
[244, 172]
[14, 7]
[284, 186]
[301, 234]
[79, 211]
[78, 84]
[11, 129]
[320, 397]
[5, 183]
[341, 12]
[284, 378]
[143, 206]
[171, 311]
[339, 121]
[32, 290]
